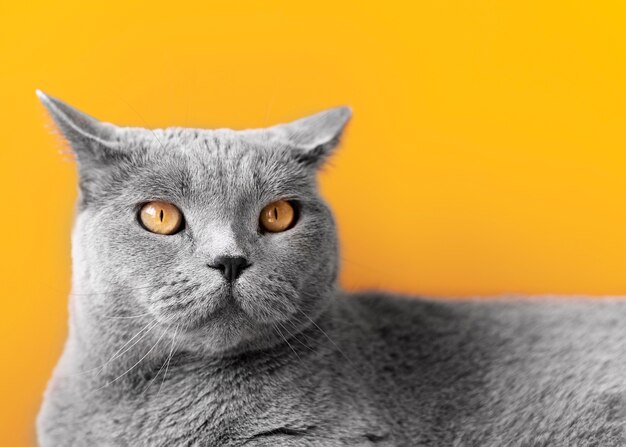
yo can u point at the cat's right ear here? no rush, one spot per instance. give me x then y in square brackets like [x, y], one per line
[93, 142]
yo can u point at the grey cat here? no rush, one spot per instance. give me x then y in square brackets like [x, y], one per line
[225, 329]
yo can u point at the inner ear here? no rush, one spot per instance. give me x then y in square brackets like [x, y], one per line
[317, 155]
[313, 138]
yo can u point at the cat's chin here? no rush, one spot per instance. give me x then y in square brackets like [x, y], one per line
[223, 335]
[227, 315]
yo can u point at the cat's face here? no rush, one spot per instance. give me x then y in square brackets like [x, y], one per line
[219, 182]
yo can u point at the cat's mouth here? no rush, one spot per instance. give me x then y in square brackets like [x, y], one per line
[226, 305]
[198, 305]
[229, 300]
[228, 312]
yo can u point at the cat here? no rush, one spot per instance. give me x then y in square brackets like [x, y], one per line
[205, 311]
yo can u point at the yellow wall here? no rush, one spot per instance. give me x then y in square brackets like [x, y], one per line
[487, 152]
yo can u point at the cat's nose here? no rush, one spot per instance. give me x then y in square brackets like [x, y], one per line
[230, 266]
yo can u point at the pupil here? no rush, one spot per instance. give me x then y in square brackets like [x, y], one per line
[275, 213]
[161, 215]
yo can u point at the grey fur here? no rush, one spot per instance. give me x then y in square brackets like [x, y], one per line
[160, 354]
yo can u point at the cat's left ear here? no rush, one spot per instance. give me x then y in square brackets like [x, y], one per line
[314, 137]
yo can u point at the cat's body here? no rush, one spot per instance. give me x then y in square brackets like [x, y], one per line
[384, 371]
[159, 354]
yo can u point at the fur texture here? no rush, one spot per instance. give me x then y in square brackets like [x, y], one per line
[162, 352]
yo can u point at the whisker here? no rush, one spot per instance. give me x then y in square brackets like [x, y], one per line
[124, 317]
[309, 339]
[132, 367]
[327, 336]
[294, 336]
[118, 353]
[286, 341]
[121, 351]
[167, 361]
[119, 286]
[144, 122]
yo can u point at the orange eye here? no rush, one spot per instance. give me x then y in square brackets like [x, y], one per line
[277, 216]
[161, 217]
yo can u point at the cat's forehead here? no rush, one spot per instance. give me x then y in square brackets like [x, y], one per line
[222, 163]
[220, 154]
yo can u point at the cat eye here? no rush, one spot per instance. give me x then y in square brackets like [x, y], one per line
[277, 216]
[161, 217]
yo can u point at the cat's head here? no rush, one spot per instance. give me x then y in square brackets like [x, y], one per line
[218, 235]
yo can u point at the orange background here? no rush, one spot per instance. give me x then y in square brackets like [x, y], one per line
[486, 155]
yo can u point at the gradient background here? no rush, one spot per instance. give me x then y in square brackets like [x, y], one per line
[487, 153]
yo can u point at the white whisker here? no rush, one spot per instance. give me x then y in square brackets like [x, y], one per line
[124, 317]
[169, 359]
[294, 336]
[121, 289]
[286, 341]
[328, 337]
[132, 367]
[121, 351]
[310, 340]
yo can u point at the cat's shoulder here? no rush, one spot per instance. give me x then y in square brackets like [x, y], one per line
[394, 305]
[593, 319]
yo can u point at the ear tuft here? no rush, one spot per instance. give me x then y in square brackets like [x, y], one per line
[314, 137]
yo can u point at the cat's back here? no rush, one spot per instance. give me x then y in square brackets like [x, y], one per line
[498, 371]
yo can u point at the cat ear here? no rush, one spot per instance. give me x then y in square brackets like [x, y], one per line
[93, 142]
[314, 137]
